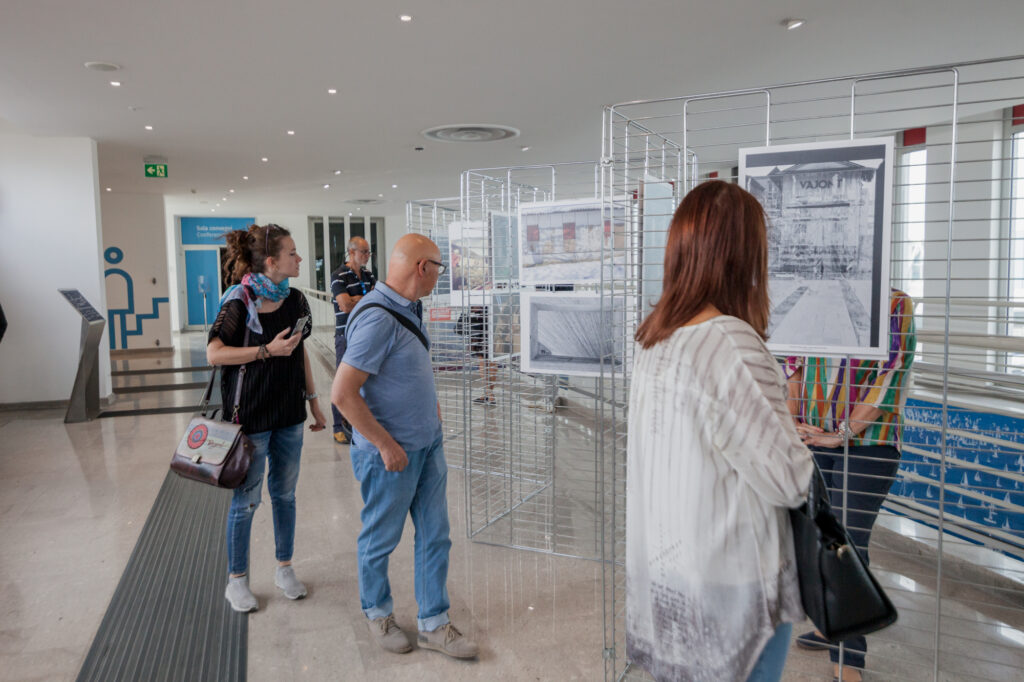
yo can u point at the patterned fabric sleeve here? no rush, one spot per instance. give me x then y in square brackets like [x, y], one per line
[884, 391]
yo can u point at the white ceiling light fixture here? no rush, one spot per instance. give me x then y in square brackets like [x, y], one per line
[394, 186]
[350, 212]
[115, 84]
[231, 191]
[109, 190]
[793, 24]
[291, 132]
[380, 195]
[470, 132]
[405, 17]
[223, 198]
[337, 172]
[327, 185]
[525, 148]
[332, 91]
[245, 177]
[149, 127]
[102, 66]
[264, 159]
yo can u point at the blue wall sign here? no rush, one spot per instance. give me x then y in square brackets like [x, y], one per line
[207, 231]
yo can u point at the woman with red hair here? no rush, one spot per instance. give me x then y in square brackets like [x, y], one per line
[714, 460]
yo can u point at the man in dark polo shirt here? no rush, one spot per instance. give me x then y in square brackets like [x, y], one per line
[349, 283]
[385, 387]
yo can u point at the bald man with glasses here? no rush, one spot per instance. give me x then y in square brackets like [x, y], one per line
[349, 283]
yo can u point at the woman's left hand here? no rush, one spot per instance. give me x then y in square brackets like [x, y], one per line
[812, 435]
[318, 416]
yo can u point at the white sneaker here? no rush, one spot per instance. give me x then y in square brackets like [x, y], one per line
[239, 595]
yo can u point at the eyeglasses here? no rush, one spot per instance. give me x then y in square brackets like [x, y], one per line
[365, 252]
[441, 267]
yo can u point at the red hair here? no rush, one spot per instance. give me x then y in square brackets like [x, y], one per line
[717, 253]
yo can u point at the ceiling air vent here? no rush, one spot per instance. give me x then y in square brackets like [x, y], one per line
[364, 202]
[470, 132]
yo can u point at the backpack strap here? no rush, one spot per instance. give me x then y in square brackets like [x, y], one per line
[402, 319]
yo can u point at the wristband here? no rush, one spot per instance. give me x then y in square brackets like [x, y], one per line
[310, 396]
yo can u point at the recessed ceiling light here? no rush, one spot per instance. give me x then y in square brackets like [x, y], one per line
[291, 132]
[116, 84]
[231, 191]
[245, 177]
[791, 24]
[108, 189]
[406, 18]
[264, 159]
[223, 198]
[213, 210]
[525, 148]
[332, 91]
[350, 212]
[102, 66]
[394, 186]
[380, 195]
[217, 205]
[149, 127]
[337, 172]
[327, 185]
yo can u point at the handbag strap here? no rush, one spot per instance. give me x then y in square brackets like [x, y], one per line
[205, 402]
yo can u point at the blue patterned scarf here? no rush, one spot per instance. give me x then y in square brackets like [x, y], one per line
[264, 288]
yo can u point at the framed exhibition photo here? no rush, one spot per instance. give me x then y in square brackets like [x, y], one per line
[469, 263]
[569, 242]
[829, 210]
[569, 334]
[504, 328]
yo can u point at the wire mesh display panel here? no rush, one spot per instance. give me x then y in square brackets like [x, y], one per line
[948, 541]
[532, 323]
[431, 218]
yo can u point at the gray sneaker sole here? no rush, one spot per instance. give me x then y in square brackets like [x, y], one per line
[426, 644]
[241, 609]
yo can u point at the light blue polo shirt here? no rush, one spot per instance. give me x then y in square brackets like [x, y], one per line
[400, 389]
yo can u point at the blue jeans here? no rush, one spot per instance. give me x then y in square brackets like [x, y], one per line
[773, 657]
[388, 497]
[281, 448]
[340, 343]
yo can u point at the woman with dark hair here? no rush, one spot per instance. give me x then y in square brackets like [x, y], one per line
[714, 460]
[255, 341]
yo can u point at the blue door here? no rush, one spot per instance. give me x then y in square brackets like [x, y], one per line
[201, 275]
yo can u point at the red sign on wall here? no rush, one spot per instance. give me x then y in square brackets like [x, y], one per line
[440, 314]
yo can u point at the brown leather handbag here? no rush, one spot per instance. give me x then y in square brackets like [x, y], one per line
[213, 451]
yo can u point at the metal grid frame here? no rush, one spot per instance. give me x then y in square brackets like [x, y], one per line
[960, 454]
[431, 218]
[533, 474]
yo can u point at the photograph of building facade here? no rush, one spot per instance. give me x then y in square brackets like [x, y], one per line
[827, 210]
[563, 242]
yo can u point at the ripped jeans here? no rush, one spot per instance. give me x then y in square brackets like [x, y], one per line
[280, 448]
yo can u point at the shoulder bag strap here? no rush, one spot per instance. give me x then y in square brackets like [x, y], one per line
[402, 319]
[238, 382]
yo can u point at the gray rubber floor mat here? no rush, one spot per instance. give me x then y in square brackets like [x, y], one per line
[168, 619]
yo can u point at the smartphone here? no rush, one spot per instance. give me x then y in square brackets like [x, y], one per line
[300, 325]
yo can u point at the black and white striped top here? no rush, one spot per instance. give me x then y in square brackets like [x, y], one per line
[713, 463]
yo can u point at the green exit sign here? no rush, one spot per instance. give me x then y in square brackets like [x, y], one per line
[156, 170]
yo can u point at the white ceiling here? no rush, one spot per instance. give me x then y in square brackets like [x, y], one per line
[222, 81]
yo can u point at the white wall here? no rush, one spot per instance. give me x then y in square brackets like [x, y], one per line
[134, 224]
[50, 225]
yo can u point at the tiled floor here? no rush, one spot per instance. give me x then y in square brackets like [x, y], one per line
[73, 499]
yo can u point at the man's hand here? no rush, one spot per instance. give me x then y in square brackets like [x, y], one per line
[394, 456]
[814, 436]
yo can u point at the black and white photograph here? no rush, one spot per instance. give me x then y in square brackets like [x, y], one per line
[568, 242]
[829, 210]
[505, 327]
[469, 261]
[569, 334]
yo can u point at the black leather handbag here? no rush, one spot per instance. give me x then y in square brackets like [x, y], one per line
[839, 594]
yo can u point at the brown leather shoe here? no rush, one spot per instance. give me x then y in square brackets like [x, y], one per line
[388, 635]
[450, 641]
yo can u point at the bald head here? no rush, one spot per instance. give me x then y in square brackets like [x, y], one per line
[412, 269]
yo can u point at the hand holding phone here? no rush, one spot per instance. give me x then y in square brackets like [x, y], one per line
[300, 326]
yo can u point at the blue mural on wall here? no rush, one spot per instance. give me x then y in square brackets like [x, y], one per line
[118, 317]
[203, 231]
[984, 479]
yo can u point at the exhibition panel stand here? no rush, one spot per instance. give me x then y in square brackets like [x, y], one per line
[906, 179]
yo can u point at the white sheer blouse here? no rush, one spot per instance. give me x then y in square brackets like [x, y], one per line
[713, 463]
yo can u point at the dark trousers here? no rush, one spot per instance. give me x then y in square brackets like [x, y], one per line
[866, 476]
[340, 344]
